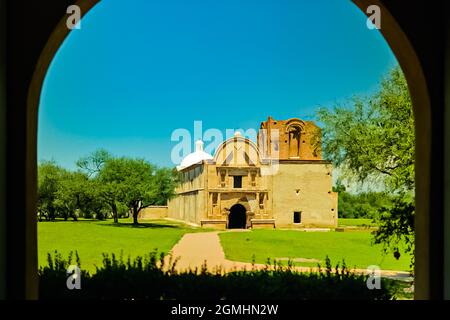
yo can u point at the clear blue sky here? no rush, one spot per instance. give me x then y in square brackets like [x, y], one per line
[133, 74]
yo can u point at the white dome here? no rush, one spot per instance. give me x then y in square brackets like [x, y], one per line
[195, 157]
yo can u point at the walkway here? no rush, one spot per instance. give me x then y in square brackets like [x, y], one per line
[195, 248]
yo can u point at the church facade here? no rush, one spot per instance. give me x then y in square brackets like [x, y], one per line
[280, 181]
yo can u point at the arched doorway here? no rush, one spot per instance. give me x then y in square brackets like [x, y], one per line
[237, 219]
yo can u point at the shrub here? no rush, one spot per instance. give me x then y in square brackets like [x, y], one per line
[150, 278]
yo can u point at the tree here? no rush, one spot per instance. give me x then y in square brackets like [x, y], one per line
[93, 163]
[163, 186]
[100, 195]
[78, 195]
[372, 138]
[103, 183]
[70, 194]
[50, 177]
[110, 191]
[128, 181]
[91, 202]
[362, 204]
[397, 227]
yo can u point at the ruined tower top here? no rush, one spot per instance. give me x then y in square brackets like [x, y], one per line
[291, 139]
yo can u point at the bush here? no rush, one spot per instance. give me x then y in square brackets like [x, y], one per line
[361, 205]
[149, 278]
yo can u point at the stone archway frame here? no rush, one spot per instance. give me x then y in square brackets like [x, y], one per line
[248, 212]
[410, 64]
[294, 123]
[239, 203]
[51, 48]
[418, 88]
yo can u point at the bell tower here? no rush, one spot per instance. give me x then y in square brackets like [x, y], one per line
[291, 139]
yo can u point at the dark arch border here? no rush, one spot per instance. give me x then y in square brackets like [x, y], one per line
[52, 46]
[417, 84]
[414, 74]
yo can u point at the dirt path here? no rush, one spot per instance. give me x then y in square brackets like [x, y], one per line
[194, 249]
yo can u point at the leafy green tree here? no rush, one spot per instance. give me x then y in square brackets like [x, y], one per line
[361, 204]
[70, 194]
[78, 195]
[93, 163]
[373, 138]
[397, 227]
[91, 202]
[128, 181]
[163, 186]
[103, 185]
[102, 195]
[50, 177]
[110, 191]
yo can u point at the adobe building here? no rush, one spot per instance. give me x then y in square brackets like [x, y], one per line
[281, 181]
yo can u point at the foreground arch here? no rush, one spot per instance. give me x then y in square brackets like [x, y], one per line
[35, 33]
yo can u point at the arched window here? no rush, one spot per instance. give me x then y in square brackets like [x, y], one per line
[294, 142]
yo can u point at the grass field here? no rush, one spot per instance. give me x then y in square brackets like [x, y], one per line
[347, 222]
[91, 238]
[355, 247]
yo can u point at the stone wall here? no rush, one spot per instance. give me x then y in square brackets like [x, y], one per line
[153, 212]
[190, 202]
[307, 189]
[303, 147]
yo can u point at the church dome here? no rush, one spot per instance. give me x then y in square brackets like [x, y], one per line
[195, 157]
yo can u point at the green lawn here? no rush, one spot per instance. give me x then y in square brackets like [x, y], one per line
[347, 222]
[355, 247]
[91, 238]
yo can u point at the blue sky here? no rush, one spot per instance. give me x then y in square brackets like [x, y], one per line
[134, 74]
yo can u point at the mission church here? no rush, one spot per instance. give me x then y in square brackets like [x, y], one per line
[279, 181]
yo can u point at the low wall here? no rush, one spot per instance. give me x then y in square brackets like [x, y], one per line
[262, 223]
[153, 212]
[214, 224]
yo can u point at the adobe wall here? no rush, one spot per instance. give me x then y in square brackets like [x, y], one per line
[153, 212]
[190, 202]
[309, 140]
[306, 188]
[190, 207]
